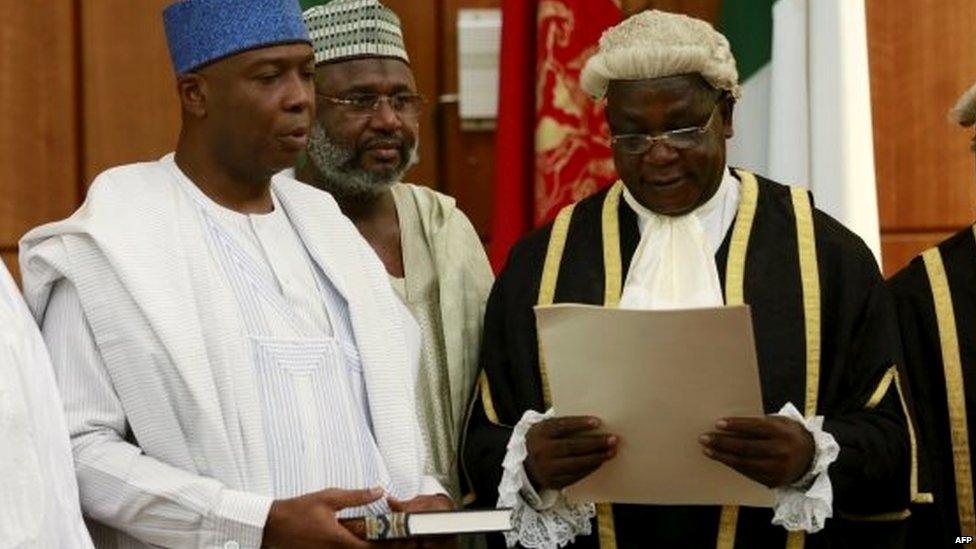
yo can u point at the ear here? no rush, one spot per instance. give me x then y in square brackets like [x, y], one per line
[193, 92]
[728, 106]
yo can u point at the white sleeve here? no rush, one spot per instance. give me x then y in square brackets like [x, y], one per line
[539, 521]
[808, 503]
[119, 485]
[39, 501]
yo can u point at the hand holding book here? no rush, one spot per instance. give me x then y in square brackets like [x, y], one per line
[310, 520]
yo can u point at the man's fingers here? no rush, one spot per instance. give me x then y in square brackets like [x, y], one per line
[578, 466]
[571, 470]
[758, 470]
[742, 447]
[355, 527]
[345, 538]
[584, 445]
[340, 499]
[752, 427]
[559, 427]
[396, 505]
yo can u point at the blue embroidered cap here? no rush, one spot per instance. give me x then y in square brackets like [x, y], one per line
[202, 31]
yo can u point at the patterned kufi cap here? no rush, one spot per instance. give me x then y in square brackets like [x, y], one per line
[656, 44]
[343, 29]
[200, 32]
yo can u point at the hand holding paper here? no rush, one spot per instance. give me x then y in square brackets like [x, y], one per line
[563, 450]
[773, 450]
[659, 380]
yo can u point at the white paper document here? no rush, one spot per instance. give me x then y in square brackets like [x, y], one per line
[659, 380]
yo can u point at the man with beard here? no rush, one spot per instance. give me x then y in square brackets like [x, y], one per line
[936, 298]
[229, 351]
[363, 141]
[682, 230]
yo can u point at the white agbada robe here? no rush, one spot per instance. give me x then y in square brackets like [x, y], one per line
[38, 493]
[212, 361]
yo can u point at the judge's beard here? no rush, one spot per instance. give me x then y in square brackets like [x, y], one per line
[340, 173]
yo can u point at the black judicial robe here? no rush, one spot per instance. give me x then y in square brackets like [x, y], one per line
[859, 349]
[942, 374]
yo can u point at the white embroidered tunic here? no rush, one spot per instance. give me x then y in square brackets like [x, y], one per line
[211, 362]
[314, 407]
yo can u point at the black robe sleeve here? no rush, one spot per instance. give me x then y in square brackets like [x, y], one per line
[870, 475]
[509, 356]
[862, 394]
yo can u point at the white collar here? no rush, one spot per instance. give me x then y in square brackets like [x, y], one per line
[715, 215]
[674, 263]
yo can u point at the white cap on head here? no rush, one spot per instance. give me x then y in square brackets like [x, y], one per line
[656, 44]
[349, 29]
[964, 113]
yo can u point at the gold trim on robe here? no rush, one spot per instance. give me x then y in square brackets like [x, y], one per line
[613, 281]
[806, 242]
[955, 393]
[810, 279]
[547, 285]
[882, 517]
[876, 397]
[735, 275]
[486, 400]
[612, 265]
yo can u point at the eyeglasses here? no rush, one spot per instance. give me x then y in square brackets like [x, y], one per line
[680, 139]
[364, 105]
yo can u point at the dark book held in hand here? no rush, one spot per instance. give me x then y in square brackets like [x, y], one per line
[430, 523]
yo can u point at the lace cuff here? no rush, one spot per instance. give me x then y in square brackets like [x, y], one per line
[540, 521]
[808, 503]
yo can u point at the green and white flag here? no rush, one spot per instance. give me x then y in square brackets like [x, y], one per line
[805, 113]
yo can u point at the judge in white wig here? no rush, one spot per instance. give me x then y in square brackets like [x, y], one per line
[680, 230]
[233, 362]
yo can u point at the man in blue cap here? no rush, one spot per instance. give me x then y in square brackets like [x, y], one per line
[230, 352]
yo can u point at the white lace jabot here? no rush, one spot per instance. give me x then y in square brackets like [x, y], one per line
[674, 264]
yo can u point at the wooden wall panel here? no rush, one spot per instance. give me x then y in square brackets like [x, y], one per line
[419, 21]
[899, 248]
[138, 78]
[38, 110]
[468, 167]
[131, 112]
[10, 260]
[922, 56]
[107, 60]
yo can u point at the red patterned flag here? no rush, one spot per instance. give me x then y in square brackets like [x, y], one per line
[553, 144]
[572, 141]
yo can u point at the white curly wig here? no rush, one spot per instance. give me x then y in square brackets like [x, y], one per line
[655, 44]
[964, 113]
